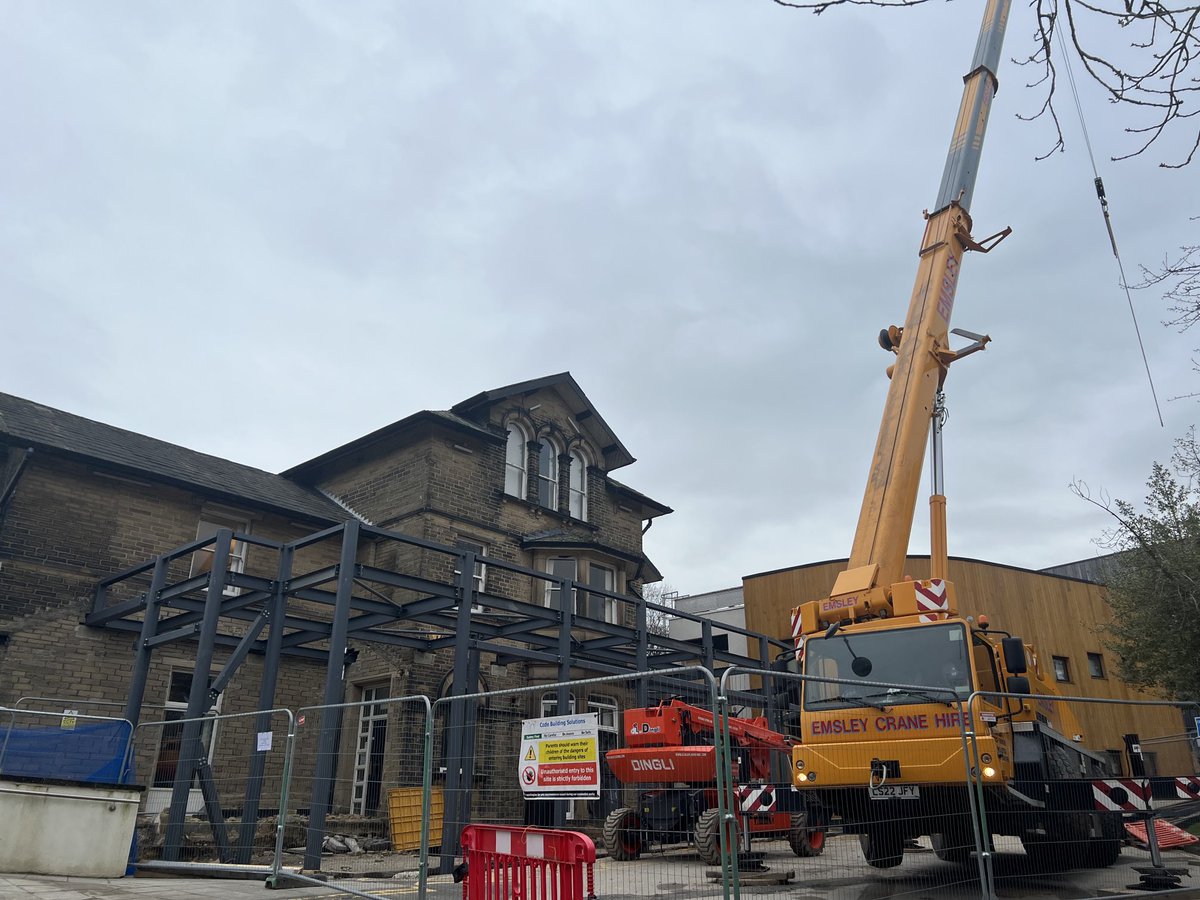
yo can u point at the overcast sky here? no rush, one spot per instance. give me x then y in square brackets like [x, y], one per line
[262, 229]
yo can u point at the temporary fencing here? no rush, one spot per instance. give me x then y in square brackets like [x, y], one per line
[877, 778]
[628, 762]
[665, 784]
[363, 787]
[216, 788]
[1091, 801]
[64, 745]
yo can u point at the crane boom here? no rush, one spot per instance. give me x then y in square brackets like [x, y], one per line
[886, 517]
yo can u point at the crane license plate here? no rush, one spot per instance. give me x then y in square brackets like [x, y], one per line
[896, 792]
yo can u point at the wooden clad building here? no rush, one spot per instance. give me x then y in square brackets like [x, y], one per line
[1061, 616]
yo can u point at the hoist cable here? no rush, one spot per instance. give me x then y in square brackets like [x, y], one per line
[1112, 238]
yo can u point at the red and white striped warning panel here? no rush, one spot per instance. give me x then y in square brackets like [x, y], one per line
[505, 863]
[756, 799]
[797, 636]
[1121, 794]
[1188, 787]
[932, 602]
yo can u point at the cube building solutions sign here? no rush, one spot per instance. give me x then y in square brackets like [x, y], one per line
[560, 758]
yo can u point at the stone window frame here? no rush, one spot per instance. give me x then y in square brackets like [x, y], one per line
[577, 483]
[548, 472]
[516, 459]
[207, 526]
[174, 710]
[583, 564]
[550, 587]
[467, 542]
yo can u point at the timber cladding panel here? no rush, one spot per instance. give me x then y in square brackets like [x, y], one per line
[1061, 617]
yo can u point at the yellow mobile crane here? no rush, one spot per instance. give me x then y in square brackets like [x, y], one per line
[890, 763]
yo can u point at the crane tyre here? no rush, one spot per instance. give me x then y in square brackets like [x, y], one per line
[708, 837]
[952, 847]
[804, 839]
[1067, 843]
[882, 847]
[1103, 851]
[623, 834]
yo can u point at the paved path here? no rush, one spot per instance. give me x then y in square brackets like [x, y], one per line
[21, 887]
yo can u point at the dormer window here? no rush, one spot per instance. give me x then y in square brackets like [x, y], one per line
[547, 474]
[578, 494]
[516, 456]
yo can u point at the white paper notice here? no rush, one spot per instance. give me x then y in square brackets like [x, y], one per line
[264, 740]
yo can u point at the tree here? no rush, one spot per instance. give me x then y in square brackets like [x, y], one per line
[657, 621]
[1152, 79]
[1153, 578]
[1180, 276]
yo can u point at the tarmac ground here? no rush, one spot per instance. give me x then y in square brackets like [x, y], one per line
[839, 874]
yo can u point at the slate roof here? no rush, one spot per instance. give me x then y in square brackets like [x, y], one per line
[28, 424]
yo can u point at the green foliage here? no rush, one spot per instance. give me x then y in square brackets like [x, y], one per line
[1154, 578]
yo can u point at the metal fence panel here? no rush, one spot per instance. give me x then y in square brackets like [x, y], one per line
[363, 786]
[652, 808]
[228, 813]
[1101, 799]
[877, 787]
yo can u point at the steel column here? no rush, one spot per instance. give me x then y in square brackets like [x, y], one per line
[266, 700]
[643, 650]
[455, 747]
[143, 651]
[566, 594]
[335, 690]
[199, 699]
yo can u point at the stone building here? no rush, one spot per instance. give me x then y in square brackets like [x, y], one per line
[520, 474]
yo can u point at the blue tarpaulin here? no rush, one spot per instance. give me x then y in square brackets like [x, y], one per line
[90, 751]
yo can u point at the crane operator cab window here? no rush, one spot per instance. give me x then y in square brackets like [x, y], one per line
[899, 666]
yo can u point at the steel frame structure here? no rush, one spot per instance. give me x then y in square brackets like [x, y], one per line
[313, 614]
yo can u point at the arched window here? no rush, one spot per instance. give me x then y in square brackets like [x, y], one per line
[578, 499]
[515, 461]
[548, 474]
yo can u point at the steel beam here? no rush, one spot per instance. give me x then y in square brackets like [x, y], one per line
[175, 634]
[240, 652]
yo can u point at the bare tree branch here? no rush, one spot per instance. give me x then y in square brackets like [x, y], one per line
[1156, 82]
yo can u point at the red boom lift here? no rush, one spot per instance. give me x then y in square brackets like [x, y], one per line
[670, 749]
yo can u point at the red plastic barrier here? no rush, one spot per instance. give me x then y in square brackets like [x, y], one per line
[511, 863]
[1165, 833]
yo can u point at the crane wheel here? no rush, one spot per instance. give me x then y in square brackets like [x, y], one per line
[708, 837]
[804, 839]
[953, 846]
[1068, 842]
[1102, 852]
[882, 847]
[623, 834]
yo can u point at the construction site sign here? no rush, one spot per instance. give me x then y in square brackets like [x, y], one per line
[560, 758]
